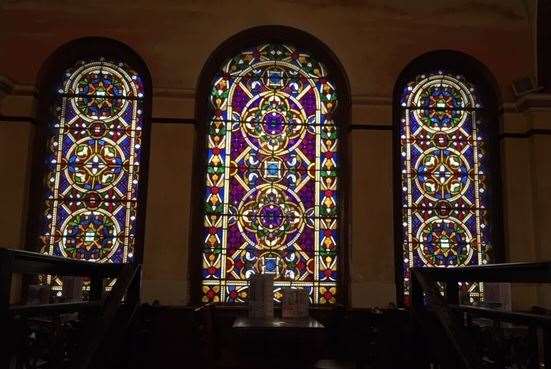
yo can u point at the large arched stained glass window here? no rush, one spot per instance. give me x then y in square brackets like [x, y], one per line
[271, 202]
[93, 163]
[444, 182]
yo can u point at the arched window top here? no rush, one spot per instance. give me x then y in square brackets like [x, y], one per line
[302, 52]
[68, 58]
[279, 55]
[448, 209]
[272, 199]
[279, 87]
[107, 79]
[440, 91]
[93, 140]
[470, 75]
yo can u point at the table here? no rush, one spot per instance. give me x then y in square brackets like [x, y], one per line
[285, 343]
[243, 323]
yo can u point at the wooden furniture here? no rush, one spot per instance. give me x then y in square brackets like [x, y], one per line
[247, 324]
[108, 316]
[334, 364]
[279, 343]
[448, 325]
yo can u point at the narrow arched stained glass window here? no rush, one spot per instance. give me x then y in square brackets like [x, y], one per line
[443, 180]
[93, 164]
[271, 202]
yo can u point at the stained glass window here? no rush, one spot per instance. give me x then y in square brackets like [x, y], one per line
[443, 176]
[271, 201]
[93, 164]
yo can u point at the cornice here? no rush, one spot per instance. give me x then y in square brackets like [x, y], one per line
[182, 93]
[6, 86]
[10, 87]
[536, 101]
[530, 102]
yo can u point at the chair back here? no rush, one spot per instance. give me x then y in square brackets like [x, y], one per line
[203, 321]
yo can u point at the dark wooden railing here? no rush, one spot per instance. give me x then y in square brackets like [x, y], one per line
[108, 314]
[447, 323]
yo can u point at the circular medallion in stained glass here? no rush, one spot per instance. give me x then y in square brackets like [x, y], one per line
[441, 104]
[94, 165]
[273, 124]
[90, 235]
[271, 216]
[100, 92]
[442, 174]
[444, 242]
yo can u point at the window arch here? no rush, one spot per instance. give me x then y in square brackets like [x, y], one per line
[447, 190]
[93, 144]
[271, 110]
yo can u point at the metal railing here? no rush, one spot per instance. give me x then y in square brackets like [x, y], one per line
[106, 323]
[446, 321]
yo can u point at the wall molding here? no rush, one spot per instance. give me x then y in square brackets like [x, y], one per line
[528, 103]
[371, 100]
[6, 86]
[17, 119]
[172, 120]
[527, 134]
[534, 100]
[166, 92]
[10, 87]
[371, 127]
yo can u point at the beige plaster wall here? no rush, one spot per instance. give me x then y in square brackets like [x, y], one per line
[526, 183]
[542, 199]
[518, 213]
[168, 214]
[15, 163]
[372, 241]
[374, 39]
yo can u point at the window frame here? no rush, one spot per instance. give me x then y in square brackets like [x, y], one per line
[454, 63]
[233, 46]
[49, 78]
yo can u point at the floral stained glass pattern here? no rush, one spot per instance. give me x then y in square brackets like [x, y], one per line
[443, 179]
[271, 201]
[93, 164]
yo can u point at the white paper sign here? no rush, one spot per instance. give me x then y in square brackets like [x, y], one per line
[295, 303]
[261, 296]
